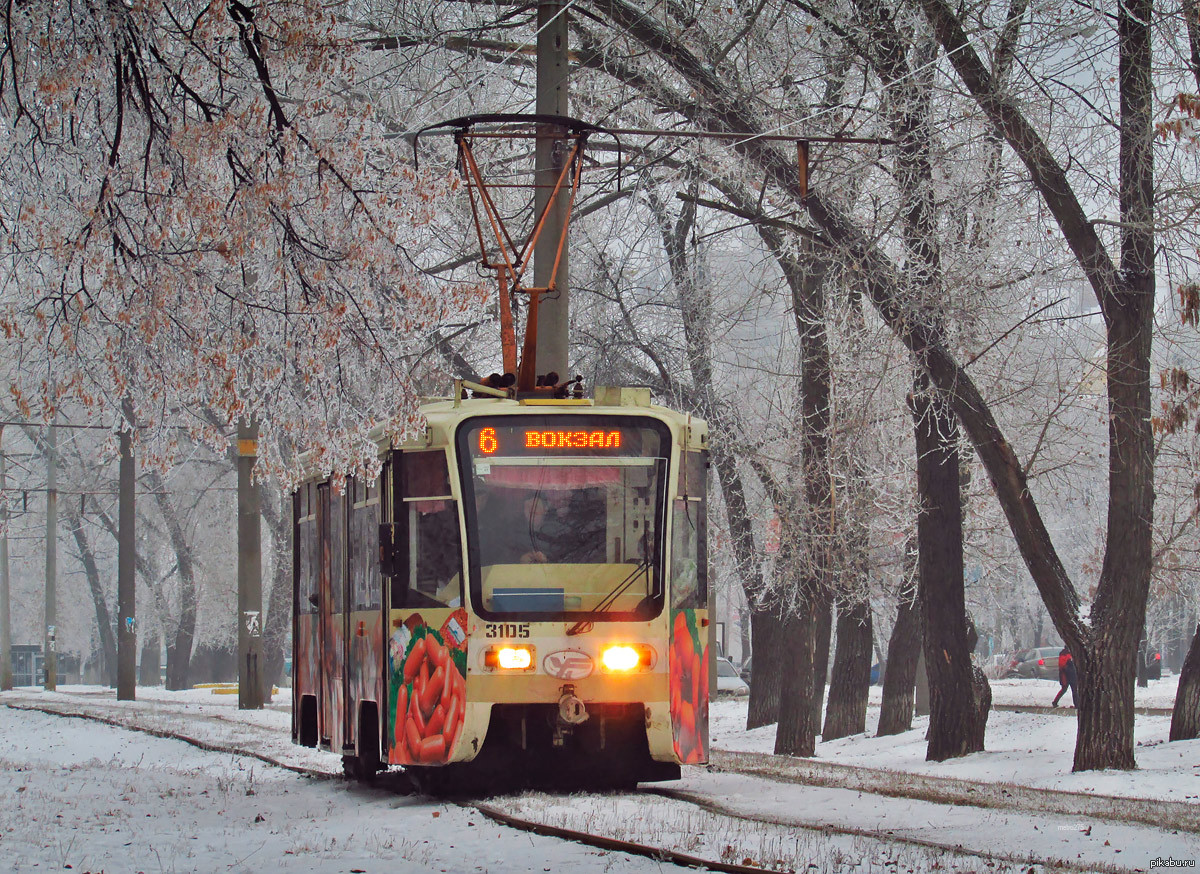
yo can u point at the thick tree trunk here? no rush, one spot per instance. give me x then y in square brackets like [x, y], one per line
[797, 731]
[1185, 718]
[766, 671]
[903, 660]
[954, 725]
[846, 712]
[1105, 706]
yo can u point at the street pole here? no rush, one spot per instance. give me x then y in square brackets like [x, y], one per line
[6, 675]
[50, 650]
[550, 154]
[249, 526]
[126, 590]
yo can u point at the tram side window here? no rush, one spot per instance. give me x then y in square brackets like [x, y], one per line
[337, 542]
[307, 548]
[432, 570]
[365, 589]
[689, 540]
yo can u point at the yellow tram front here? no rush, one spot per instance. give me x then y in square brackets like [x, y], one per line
[523, 591]
[548, 597]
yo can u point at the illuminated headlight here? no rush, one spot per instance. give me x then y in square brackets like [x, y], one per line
[509, 658]
[624, 658]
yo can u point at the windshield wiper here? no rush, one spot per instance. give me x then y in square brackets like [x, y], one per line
[611, 598]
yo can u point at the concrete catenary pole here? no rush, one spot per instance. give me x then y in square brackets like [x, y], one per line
[6, 675]
[126, 590]
[249, 523]
[551, 153]
[50, 659]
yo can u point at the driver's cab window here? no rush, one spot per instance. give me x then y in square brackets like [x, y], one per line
[431, 574]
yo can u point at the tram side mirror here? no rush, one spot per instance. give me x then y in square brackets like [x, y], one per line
[386, 549]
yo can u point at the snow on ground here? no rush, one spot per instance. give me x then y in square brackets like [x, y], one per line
[1026, 748]
[96, 798]
[180, 809]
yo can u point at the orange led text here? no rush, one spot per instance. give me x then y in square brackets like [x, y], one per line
[572, 439]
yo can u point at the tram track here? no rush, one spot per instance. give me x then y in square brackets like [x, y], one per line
[251, 738]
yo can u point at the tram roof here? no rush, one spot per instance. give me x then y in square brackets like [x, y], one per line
[444, 414]
[447, 412]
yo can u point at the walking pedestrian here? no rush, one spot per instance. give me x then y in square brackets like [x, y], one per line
[1066, 677]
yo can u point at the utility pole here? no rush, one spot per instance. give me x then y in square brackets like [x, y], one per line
[126, 590]
[249, 524]
[50, 650]
[551, 152]
[6, 676]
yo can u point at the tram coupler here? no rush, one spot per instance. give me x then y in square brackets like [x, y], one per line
[571, 712]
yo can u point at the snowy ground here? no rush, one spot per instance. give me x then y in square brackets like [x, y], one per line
[95, 798]
[1024, 748]
[99, 798]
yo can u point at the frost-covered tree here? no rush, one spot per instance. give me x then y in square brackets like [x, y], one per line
[200, 210]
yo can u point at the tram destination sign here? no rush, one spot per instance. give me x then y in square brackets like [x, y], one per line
[549, 438]
[577, 435]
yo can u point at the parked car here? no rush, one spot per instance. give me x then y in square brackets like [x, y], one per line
[728, 681]
[1040, 663]
[744, 670]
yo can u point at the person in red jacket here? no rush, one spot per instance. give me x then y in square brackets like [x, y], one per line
[1066, 677]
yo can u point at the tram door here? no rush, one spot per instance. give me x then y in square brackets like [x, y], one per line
[364, 641]
[331, 609]
[306, 638]
[427, 645]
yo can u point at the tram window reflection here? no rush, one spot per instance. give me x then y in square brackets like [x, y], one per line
[433, 553]
[535, 526]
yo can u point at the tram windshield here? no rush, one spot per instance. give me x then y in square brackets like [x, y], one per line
[565, 515]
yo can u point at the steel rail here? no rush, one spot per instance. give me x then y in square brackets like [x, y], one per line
[616, 844]
[718, 809]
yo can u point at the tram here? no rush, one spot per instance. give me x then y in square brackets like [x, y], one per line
[523, 591]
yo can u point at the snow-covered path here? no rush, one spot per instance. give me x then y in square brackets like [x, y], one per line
[191, 809]
[103, 799]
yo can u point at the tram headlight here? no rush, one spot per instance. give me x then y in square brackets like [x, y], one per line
[509, 658]
[624, 657]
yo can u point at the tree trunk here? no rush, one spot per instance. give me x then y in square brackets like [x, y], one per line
[766, 671]
[822, 635]
[150, 668]
[903, 660]
[797, 731]
[846, 712]
[921, 693]
[277, 511]
[179, 648]
[744, 631]
[954, 725]
[104, 624]
[1105, 706]
[1185, 718]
